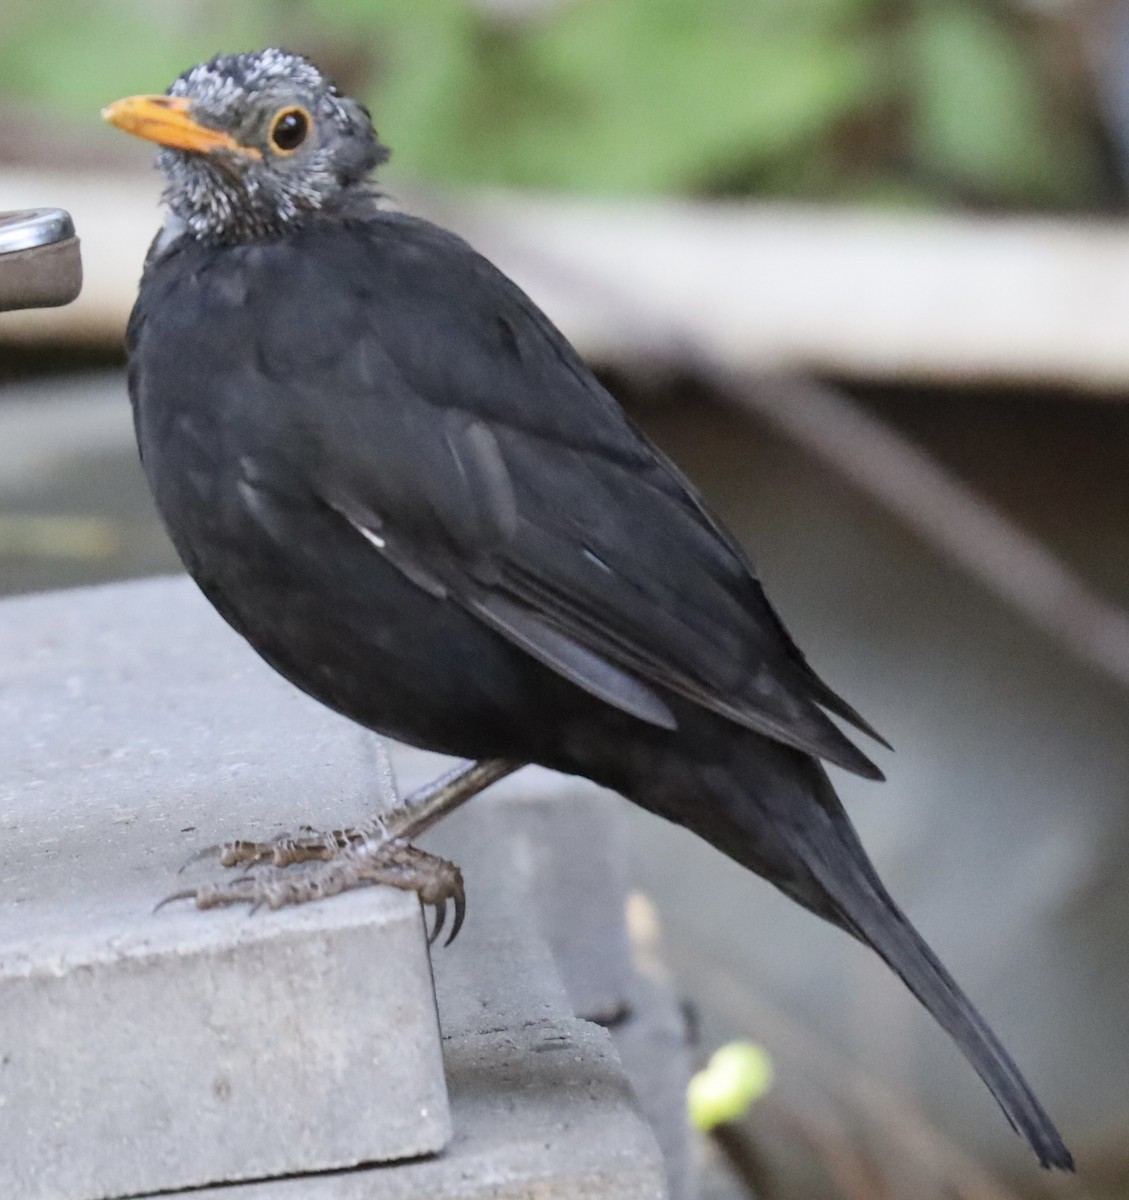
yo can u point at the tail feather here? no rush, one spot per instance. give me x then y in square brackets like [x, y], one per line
[859, 903]
[773, 809]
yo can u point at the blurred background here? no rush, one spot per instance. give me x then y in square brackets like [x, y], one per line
[862, 268]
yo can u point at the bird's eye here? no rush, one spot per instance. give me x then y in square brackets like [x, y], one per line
[289, 129]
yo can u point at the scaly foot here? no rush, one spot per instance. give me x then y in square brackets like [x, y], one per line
[312, 865]
[357, 862]
[309, 845]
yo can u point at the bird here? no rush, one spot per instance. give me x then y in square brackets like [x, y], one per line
[390, 473]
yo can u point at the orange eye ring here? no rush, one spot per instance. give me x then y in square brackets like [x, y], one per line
[289, 129]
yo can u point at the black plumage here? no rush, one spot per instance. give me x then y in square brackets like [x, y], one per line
[389, 471]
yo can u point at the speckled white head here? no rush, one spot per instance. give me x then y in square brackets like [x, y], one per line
[253, 144]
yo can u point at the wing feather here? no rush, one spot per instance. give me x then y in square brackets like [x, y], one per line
[502, 473]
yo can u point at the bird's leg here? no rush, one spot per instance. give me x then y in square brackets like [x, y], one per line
[407, 820]
[429, 804]
[376, 851]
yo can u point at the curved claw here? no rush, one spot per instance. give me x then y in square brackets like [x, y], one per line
[440, 921]
[240, 853]
[199, 856]
[183, 894]
[460, 913]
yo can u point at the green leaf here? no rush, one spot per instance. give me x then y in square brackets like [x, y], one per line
[982, 115]
[626, 95]
[78, 57]
[737, 1075]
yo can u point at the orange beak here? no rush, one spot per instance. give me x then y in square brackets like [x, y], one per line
[165, 120]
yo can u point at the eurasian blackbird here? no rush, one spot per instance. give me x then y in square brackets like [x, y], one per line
[390, 472]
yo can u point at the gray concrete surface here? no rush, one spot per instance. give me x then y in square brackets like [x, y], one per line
[569, 843]
[562, 847]
[651, 1041]
[539, 1111]
[540, 1104]
[143, 1052]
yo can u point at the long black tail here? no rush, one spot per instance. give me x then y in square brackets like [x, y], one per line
[838, 862]
[774, 810]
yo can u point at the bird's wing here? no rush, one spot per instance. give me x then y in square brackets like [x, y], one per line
[466, 441]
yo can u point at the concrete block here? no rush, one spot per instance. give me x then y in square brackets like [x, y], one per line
[251, 1058]
[539, 1101]
[652, 1046]
[141, 1052]
[553, 856]
[555, 850]
[542, 1111]
[135, 1062]
[568, 846]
